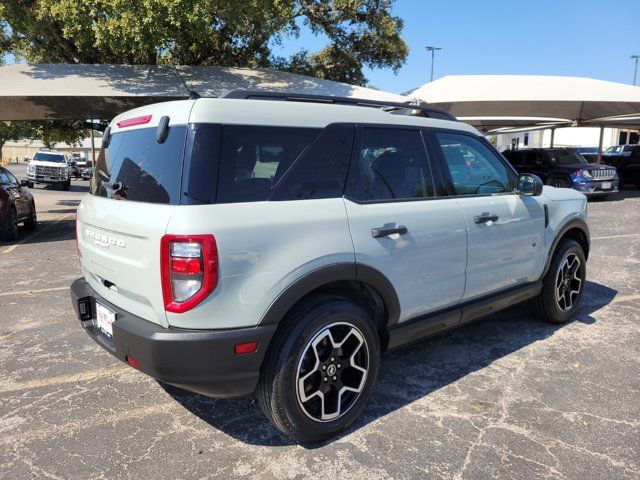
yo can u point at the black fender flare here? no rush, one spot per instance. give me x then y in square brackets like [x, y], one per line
[578, 223]
[333, 273]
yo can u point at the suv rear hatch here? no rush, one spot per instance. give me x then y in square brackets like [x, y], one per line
[134, 190]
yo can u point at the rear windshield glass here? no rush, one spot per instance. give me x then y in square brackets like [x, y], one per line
[136, 167]
[49, 157]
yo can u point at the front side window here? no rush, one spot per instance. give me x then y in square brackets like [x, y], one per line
[391, 165]
[474, 168]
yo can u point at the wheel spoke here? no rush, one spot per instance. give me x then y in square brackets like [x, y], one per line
[332, 371]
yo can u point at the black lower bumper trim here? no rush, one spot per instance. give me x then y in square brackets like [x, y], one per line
[202, 361]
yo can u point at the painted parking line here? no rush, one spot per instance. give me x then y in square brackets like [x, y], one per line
[53, 431]
[626, 298]
[62, 379]
[616, 236]
[29, 292]
[36, 233]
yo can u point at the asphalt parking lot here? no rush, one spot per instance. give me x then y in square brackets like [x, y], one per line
[508, 397]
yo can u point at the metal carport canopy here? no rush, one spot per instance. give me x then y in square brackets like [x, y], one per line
[79, 91]
[493, 101]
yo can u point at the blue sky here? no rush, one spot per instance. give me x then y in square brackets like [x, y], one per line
[587, 38]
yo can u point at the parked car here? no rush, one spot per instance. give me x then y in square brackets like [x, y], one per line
[16, 206]
[565, 168]
[628, 166]
[278, 246]
[51, 168]
[622, 150]
[87, 171]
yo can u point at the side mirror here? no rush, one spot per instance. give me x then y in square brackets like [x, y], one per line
[529, 185]
[24, 183]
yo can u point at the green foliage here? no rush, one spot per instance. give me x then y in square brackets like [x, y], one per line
[243, 33]
[49, 131]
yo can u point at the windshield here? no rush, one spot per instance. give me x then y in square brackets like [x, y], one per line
[565, 157]
[49, 157]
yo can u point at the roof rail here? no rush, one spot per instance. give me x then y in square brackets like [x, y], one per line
[430, 112]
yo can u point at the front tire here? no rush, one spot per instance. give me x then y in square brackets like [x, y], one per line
[563, 285]
[320, 369]
[66, 185]
[559, 183]
[32, 222]
[11, 231]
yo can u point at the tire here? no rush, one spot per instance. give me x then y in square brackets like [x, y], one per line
[11, 231]
[559, 183]
[66, 185]
[547, 305]
[300, 354]
[32, 222]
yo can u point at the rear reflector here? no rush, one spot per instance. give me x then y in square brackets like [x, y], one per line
[130, 122]
[244, 348]
[131, 361]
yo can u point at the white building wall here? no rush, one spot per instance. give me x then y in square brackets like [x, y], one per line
[564, 137]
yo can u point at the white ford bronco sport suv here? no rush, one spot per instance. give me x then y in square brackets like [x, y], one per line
[50, 168]
[277, 245]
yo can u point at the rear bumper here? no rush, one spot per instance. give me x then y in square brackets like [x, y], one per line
[202, 361]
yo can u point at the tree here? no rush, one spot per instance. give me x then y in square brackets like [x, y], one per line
[49, 131]
[359, 33]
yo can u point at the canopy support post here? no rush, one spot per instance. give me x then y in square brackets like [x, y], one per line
[553, 135]
[93, 147]
[628, 137]
[600, 143]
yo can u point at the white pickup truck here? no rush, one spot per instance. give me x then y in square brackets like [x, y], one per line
[51, 168]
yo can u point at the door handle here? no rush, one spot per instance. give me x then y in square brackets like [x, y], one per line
[485, 217]
[384, 231]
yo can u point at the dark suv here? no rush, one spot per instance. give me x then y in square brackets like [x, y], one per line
[16, 205]
[565, 168]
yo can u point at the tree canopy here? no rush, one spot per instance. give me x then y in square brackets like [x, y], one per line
[358, 33]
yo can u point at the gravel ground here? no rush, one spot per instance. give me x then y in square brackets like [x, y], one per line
[508, 397]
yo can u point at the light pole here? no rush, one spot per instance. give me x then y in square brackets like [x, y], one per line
[635, 70]
[433, 54]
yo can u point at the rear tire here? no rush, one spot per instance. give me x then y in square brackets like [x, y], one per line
[563, 285]
[320, 369]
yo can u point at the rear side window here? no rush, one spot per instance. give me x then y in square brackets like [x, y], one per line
[391, 164]
[253, 159]
[136, 167]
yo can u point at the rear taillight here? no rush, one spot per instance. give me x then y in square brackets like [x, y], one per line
[189, 269]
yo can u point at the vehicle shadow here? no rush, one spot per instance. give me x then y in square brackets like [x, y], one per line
[47, 231]
[430, 364]
[626, 192]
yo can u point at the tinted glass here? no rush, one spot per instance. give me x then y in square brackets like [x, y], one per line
[4, 178]
[391, 164]
[136, 167]
[321, 171]
[565, 157]
[253, 159]
[49, 157]
[200, 171]
[11, 177]
[474, 168]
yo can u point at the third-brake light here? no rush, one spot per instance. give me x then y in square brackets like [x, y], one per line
[189, 265]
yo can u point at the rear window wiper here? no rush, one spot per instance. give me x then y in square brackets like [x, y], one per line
[197, 199]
